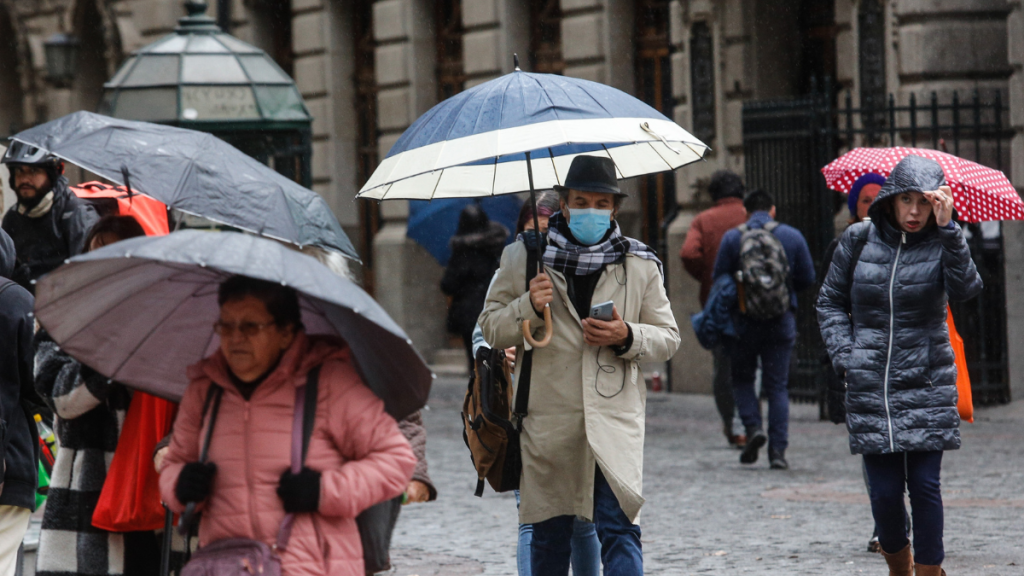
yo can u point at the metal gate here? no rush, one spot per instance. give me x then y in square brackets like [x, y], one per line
[787, 142]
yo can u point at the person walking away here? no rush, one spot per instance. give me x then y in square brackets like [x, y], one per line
[862, 194]
[19, 445]
[699, 251]
[48, 223]
[586, 548]
[476, 252]
[582, 440]
[356, 457]
[774, 263]
[883, 320]
[90, 410]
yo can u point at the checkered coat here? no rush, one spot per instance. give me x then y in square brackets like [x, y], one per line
[90, 411]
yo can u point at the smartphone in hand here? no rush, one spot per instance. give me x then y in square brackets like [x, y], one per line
[602, 311]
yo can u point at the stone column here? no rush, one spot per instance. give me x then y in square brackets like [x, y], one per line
[1013, 232]
[407, 276]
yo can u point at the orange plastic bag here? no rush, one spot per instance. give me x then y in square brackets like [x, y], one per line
[964, 403]
[130, 499]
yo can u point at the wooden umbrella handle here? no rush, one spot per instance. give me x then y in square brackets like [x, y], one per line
[548, 330]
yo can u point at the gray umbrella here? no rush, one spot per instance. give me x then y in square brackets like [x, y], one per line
[194, 172]
[142, 310]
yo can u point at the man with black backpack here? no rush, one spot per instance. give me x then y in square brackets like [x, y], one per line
[770, 262]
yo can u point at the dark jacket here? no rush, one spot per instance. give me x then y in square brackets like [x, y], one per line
[887, 332]
[416, 433]
[715, 322]
[704, 237]
[474, 259]
[20, 439]
[801, 267]
[44, 243]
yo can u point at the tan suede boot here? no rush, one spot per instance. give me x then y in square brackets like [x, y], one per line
[923, 570]
[901, 563]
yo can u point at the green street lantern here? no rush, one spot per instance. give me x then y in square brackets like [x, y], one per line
[202, 78]
[61, 53]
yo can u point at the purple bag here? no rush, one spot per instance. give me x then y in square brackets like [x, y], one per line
[242, 556]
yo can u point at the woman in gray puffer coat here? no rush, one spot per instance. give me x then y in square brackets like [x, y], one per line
[883, 319]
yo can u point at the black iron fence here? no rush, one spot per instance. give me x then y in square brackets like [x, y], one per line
[787, 142]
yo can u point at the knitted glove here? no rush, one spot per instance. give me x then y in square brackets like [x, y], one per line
[300, 492]
[194, 482]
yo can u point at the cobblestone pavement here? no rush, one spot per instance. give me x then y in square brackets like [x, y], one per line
[707, 514]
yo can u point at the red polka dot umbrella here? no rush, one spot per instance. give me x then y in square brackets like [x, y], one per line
[980, 194]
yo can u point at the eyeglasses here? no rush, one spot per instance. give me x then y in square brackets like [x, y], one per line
[247, 329]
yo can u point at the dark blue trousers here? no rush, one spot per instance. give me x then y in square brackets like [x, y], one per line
[917, 472]
[772, 342]
[621, 552]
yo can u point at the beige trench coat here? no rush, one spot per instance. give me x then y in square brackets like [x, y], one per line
[586, 404]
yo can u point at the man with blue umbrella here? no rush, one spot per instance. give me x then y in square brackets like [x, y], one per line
[582, 440]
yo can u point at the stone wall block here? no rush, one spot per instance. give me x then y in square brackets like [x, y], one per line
[384, 144]
[931, 7]
[322, 154]
[700, 9]
[1015, 37]
[733, 123]
[734, 66]
[391, 64]
[319, 108]
[583, 37]
[389, 18]
[308, 33]
[733, 23]
[479, 13]
[953, 47]
[310, 76]
[1013, 251]
[480, 52]
[393, 108]
[1017, 171]
[845, 12]
[298, 5]
[681, 115]
[1016, 102]
[156, 15]
[846, 57]
[592, 72]
[570, 5]
[677, 23]
[680, 76]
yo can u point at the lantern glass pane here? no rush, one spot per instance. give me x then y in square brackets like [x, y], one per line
[236, 45]
[262, 70]
[149, 104]
[281, 103]
[202, 69]
[205, 43]
[218, 103]
[154, 71]
[125, 69]
[172, 44]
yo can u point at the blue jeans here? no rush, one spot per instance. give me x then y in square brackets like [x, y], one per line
[621, 551]
[918, 472]
[586, 549]
[772, 342]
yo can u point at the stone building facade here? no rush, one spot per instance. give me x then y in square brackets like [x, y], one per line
[368, 68]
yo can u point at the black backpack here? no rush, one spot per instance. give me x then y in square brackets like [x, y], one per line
[763, 274]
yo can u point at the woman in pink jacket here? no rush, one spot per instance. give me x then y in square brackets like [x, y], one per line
[357, 456]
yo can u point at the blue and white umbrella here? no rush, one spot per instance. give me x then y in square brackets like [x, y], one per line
[477, 142]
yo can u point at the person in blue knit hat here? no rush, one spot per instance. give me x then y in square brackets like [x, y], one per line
[862, 194]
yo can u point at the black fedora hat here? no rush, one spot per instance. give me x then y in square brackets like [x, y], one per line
[592, 174]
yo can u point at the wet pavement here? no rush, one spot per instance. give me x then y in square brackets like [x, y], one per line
[707, 514]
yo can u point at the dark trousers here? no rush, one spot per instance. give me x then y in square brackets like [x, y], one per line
[772, 342]
[917, 472]
[722, 381]
[621, 551]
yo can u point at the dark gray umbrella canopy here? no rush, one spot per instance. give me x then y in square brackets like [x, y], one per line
[141, 311]
[194, 172]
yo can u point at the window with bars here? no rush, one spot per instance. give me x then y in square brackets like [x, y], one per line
[702, 81]
[546, 37]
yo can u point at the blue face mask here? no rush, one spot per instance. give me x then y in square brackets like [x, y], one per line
[589, 225]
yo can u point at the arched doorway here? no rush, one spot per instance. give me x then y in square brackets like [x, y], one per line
[92, 68]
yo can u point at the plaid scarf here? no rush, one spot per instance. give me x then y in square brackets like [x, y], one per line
[567, 257]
